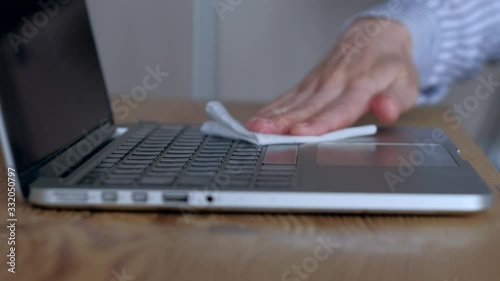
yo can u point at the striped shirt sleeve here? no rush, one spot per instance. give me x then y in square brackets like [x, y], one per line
[452, 39]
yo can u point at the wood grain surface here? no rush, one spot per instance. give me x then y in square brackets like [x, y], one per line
[67, 245]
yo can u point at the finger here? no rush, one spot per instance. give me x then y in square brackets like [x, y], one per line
[297, 95]
[288, 105]
[398, 98]
[281, 124]
[260, 120]
[276, 103]
[351, 104]
[385, 108]
[340, 113]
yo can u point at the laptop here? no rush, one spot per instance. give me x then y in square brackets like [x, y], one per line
[63, 150]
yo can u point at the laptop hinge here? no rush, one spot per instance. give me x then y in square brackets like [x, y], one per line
[79, 151]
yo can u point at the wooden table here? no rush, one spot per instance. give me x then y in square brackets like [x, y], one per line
[57, 245]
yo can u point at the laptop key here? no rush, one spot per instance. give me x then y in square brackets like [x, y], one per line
[166, 169]
[144, 153]
[208, 159]
[174, 155]
[121, 151]
[125, 147]
[124, 177]
[222, 142]
[221, 151]
[130, 142]
[214, 164]
[161, 174]
[149, 150]
[141, 157]
[180, 151]
[137, 161]
[199, 174]
[182, 145]
[202, 169]
[242, 162]
[127, 171]
[211, 140]
[163, 166]
[246, 153]
[210, 155]
[278, 168]
[152, 146]
[276, 173]
[187, 139]
[212, 145]
[166, 163]
[241, 144]
[118, 182]
[136, 138]
[116, 155]
[238, 157]
[238, 173]
[267, 185]
[132, 166]
[160, 137]
[246, 150]
[155, 144]
[105, 165]
[239, 167]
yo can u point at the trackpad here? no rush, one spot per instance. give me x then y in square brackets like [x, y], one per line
[388, 155]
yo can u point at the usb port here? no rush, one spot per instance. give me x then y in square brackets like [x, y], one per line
[175, 197]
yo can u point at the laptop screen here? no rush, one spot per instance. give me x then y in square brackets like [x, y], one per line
[52, 91]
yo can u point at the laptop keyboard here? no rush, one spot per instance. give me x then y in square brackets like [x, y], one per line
[180, 157]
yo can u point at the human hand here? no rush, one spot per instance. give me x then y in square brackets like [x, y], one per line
[380, 77]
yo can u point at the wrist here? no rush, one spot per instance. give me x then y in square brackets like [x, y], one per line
[381, 30]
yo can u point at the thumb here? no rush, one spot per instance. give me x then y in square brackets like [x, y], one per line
[389, 104]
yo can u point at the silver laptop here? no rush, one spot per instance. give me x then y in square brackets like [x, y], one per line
[63, 150]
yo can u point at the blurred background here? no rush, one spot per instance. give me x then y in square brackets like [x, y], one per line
[241, 50]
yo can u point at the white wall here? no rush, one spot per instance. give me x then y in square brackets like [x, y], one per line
[262, 47]
[134, 34]
[265, 47]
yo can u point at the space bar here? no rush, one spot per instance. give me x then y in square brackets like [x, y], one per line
[281, 154]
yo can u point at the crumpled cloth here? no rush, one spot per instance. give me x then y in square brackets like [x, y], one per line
[222, 124]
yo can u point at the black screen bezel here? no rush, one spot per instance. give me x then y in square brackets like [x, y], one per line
[33, 170]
